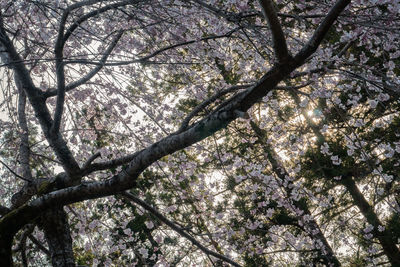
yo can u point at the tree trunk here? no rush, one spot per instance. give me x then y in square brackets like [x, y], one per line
[5, 251]
[389, 247]
[328, 256]
[56, 229]
[314, 231]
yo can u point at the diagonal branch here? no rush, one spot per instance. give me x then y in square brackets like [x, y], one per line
[39, 245]
[205, 103]
[102, 62]
[127, 178]
[15, 174]
[322, 30]
[94, 13]
[140, 160]
[278, 168]
[176, 228]
[61, 88]
[278, 37]
[38, 103]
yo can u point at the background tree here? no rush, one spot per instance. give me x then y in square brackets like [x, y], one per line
[249, 133]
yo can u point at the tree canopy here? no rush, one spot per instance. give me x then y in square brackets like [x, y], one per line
[200, 133]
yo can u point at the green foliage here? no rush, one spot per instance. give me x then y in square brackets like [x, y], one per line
[255, 261]
[230, 76]
[187, 105]
[82, 256]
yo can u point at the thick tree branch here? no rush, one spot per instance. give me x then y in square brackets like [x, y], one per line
[142, 159]
[312, 227]
[56, 229]
[385, 237]
[220, 118]
[27, 192]
[389, 247]
[61, 88]
[39, 245]
[58, 52]
[24, 149]
[215, 121]
[322, 30]
[278, 37]
[38, 103]
[94, 13]
[176, 228]
[205, 103]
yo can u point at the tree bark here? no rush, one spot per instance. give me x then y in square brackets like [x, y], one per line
[314, 231]
[5, 250]
[389, 247]
[56, 229]
[55, 225]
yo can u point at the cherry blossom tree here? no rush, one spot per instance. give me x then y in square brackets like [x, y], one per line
[200, 132]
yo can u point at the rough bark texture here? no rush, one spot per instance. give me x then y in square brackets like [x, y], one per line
[56, 229]
[54, 220]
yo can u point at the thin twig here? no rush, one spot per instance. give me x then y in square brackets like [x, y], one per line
[176, 228]
[20, 177]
